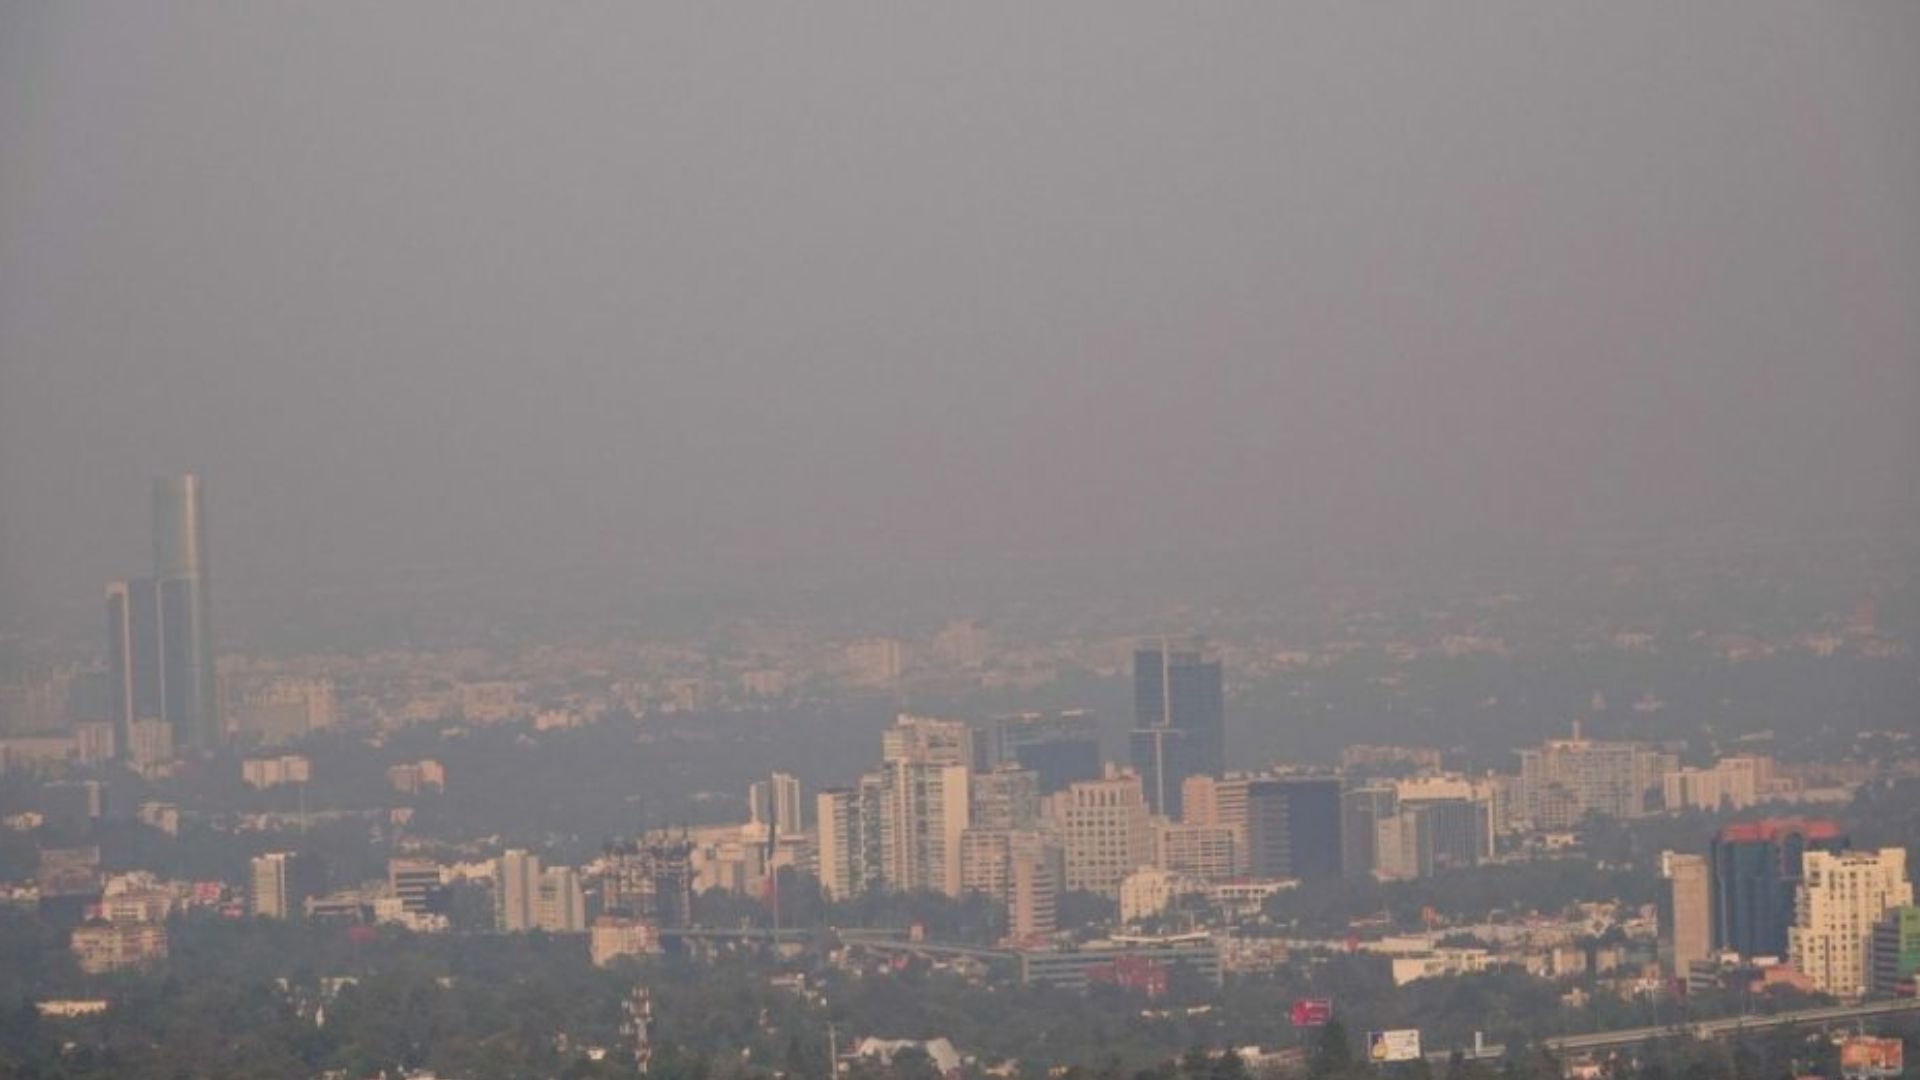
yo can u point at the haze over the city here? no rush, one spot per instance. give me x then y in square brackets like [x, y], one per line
[711, 294]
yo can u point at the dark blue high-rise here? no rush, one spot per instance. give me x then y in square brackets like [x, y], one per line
[1179, 721]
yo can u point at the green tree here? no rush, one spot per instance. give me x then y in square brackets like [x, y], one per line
[1331, 1055]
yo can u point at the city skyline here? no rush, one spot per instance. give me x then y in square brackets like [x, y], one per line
[1088, 541]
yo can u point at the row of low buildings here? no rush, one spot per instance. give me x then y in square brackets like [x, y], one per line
[1795, 894]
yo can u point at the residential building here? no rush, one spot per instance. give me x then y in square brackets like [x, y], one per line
[282, 881]
[101, 947]
[874, 662]
[615, 936]
[1686, 912]
[1841, 896]
[417, 777]
[924, 813]
[847, 822]
[284, 709]
[559, 905]
[275, 771]
[1564, 780]
[164, 816]
[516, 884]
[1034, 892]
[788, 816]
[1731, 784]
[150, 745]
[1021, 870]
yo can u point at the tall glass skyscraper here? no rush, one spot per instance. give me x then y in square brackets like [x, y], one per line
[1756, 871]
[159, 631]
[1179, 722]
[133, 656]
[180, 568]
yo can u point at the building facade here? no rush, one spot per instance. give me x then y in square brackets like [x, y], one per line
[1756, 869]
[1842, 895]
[1106, 830]
[1179, 707]
[1293, 827]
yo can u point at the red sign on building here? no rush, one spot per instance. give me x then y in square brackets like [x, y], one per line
[1311, 1012]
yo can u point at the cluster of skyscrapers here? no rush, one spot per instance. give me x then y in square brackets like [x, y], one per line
[160, 662]
[1023, 808]
[1796, 891]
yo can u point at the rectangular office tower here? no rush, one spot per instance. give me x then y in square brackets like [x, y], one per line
[1179, 722]
[180, 568]
[1293, 827]
[133, 657]
[1060, 748]
[1757, 867]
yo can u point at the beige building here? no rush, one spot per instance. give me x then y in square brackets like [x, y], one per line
[1211, 801]
[516, 884]
[616, 936]
[847, 831]
[1731, 784]
[874, 662]
[1686, 915]
[283, 709]
[788, 815]
[1841, 896]
[559, 905]
[102, 947]
[1021, 869]
[275, 771]
[1105, 830]
[281, 882]
[413, 778]
[924, 814]
[1149, 891]
[1564, 780]
[1208, 852]
[149, 745]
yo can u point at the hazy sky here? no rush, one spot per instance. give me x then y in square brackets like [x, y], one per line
[696, 288]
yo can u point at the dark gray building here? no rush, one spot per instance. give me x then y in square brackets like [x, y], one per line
[1363, 809]
[1448, 834]
[1293, 827]
[1060, 747]
[1180, 723]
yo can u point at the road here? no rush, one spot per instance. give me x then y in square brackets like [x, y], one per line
[1704, 1029]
